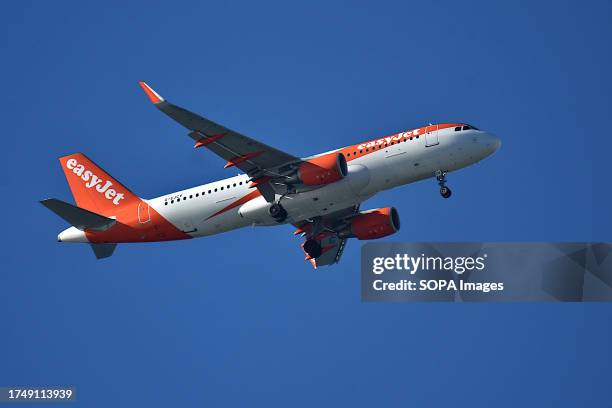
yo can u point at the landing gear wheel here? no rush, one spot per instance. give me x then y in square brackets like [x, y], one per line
[313, 248]
[445, 192]
[278, 212]
[441, 177]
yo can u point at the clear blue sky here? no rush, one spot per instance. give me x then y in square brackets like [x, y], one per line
[239, 319]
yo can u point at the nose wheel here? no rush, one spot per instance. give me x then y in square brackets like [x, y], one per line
[445, 192]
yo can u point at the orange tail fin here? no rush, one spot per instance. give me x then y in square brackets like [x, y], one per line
[93, 188]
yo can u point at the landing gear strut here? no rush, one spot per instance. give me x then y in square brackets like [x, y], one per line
[278, 212]
[441, 177]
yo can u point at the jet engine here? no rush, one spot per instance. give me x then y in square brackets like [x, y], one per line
[372, 224]
[320, 170]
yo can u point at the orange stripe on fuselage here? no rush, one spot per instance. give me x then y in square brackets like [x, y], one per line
[251, 196]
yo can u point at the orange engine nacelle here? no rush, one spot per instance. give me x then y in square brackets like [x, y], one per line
[320, 170]
[373, 224]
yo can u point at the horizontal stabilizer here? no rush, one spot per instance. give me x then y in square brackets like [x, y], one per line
[103, 250]
[76, 216]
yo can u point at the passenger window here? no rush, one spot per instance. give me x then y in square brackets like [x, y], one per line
[215, 190]
[190, 196]
[221, 187]
[166, 203]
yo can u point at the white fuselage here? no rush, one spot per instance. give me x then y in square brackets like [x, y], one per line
[229, 204]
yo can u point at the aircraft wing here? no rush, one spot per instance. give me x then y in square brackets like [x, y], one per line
[254, 158]
[323, 230]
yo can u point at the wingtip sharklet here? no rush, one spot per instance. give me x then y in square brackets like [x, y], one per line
[151, 94]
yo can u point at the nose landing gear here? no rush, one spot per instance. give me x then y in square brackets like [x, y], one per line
[445, 192]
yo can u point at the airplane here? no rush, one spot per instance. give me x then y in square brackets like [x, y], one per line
[320, 195]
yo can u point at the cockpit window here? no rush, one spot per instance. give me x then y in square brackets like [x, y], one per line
[468, 127]
[458, 128]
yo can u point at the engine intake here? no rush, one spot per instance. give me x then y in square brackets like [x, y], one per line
[373, 224]
[321, 170]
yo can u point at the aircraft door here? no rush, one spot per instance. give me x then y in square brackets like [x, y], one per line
[431, 136]
[144, 213]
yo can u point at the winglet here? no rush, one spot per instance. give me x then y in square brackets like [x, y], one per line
[151, 94]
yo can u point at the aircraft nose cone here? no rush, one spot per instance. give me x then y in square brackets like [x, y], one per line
[492, 143]
[496, 143]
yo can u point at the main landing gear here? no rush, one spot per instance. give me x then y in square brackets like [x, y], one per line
[278, 212]
[441, 177]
